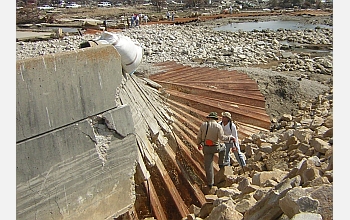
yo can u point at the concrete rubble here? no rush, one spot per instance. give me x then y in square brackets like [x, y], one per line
[289, 172]
[216, 48]
[293, 180]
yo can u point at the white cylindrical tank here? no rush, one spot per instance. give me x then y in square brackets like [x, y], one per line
[130, 51]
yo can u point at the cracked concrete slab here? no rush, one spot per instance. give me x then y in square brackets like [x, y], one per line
[75, 158]
[82, 83]
[61, 174]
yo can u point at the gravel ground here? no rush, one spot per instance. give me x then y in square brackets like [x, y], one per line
[282, 89]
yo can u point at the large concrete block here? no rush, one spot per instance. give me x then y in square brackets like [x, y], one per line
[81, 171]
[56, 90]
[120, 121]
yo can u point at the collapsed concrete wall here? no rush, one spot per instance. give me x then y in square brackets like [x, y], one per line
[76, 148]
[56, 90]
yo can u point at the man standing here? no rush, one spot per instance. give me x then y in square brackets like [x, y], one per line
[168, 15]
[145, 18]
[173, 15]
[137, 20]
[230, 129]
[208, 138]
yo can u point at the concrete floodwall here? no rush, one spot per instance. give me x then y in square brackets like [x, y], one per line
[56, 90]
[76, 150]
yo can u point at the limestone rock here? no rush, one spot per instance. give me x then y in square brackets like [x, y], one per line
[320, 145]
[307, 216]
[297, 200]
[194, 209]
[261, 177]
[268, 207]
[221, 200]
[243, 184]
[225, 211]
[260, 193]
[220, 177]
[228, 192]
[329, 122]
[308, 171]
[205, 210]
[316, 122]
[321, 180]
[245, 204]
[286, 117]
[191, 217]
[324, 194]
[303, 135]
[210, 198]
[249, 189]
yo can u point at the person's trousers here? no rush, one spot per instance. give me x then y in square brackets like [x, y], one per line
[238, 154]
[209, 152]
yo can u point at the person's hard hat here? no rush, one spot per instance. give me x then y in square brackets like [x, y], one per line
[226, 114]
[213, 115]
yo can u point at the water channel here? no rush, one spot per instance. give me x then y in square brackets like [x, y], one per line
[268, 25]
[275, 26]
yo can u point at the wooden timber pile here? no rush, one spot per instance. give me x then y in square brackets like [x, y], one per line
[196, 91]
[167, 115]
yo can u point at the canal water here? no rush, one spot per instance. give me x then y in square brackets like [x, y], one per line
[274, 26]
[268, 25]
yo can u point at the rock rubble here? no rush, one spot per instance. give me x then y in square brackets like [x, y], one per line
[198, 44]
[289, 172]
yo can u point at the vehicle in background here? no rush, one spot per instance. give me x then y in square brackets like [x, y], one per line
[104, 4]
[73, 5]
[46, 7]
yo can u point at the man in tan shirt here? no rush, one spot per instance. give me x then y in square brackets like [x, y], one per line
[208, 138]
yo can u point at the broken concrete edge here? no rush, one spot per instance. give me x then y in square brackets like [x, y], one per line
[81, 82]
[80, 148]
[64, 167]
[122, 124]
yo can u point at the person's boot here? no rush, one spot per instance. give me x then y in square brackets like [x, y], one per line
[213, 190]
[206, 189]
[223, 165]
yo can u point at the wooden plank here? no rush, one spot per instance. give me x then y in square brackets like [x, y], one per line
[194, 187]
[180, 204]
[155, 202]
